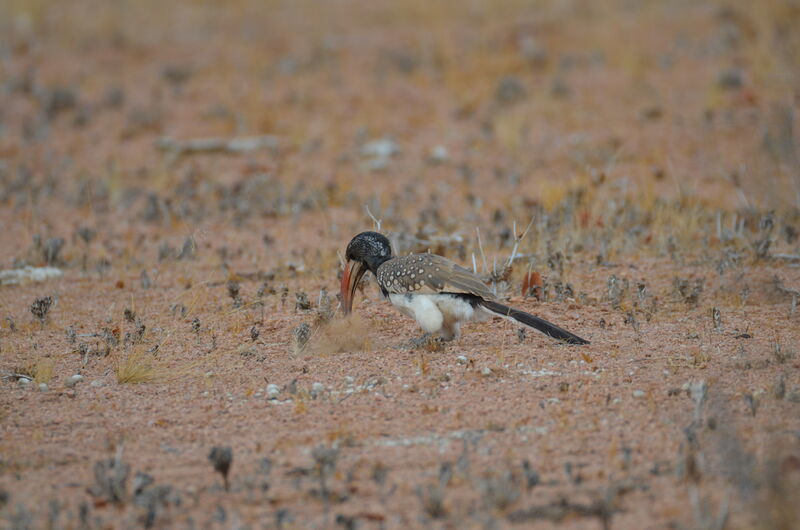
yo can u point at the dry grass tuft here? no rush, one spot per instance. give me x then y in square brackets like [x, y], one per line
[42, 370]
[137, 367]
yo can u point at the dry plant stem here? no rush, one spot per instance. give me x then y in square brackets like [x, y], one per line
[376, 223]
[517, 241]
[480, 247]
[217, 145]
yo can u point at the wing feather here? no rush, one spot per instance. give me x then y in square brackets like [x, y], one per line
[432, 274]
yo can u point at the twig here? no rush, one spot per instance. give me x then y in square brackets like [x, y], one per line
[376, 222]
[217, 145]
[175, 149]
[517, 241]
[734, 180]
[782, 288]
[12, 375]
[787, 257]
[434, 241]
[480, 247]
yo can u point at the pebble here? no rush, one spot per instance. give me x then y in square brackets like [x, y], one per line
[438, 155]
[486, 371]
[638, 393]
[729, 79]
[24, 382]
[96, 384]
[73, 380]
[273, 390]
[349, 380]
[28, 274]
[43, 387]
[462, 359]
[380, 148]
[378, 153]
[317, 389]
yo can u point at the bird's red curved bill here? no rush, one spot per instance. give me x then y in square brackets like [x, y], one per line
[353, 271]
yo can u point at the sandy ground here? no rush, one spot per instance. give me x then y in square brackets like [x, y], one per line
[198, 299]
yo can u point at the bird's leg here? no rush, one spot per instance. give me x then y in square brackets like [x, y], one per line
[451, 330]
[428, 341]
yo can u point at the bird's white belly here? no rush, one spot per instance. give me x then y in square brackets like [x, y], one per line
[435, 311]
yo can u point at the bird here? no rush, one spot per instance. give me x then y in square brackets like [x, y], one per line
[433, 290]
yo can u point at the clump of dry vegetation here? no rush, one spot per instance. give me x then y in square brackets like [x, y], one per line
[137, 366]
[222, 459]
[41, 307]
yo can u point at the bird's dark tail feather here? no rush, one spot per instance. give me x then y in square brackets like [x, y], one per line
[534, 322]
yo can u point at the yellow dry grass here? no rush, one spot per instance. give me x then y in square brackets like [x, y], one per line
[42, 370]
[138, 366]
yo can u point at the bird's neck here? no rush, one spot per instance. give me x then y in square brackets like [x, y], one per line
[374, 262]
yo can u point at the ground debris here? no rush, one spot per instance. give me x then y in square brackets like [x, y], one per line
[29, 274]
[111, 478]
[40, 308]
[222, 458]
[229, 146]
[562, 509]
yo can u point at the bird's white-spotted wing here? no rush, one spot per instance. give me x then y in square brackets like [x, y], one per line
[429, 273]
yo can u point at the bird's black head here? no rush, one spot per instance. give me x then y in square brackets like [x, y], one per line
[366, 251]
[370, 248]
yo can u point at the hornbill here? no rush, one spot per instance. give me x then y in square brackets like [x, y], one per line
[434, 291]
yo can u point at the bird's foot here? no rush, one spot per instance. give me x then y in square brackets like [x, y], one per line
[428, 341]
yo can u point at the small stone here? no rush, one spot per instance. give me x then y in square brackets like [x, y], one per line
[96, 384]
[24, 382]
[43, 387]
[730, 79]
[438, 155]
[349, 380]
[28, 274]
[462, 359]
[638, 393]
[73, 380]
[380, 148]
[317, 389]
[273, 390]
[377, 153]
[486, 371]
